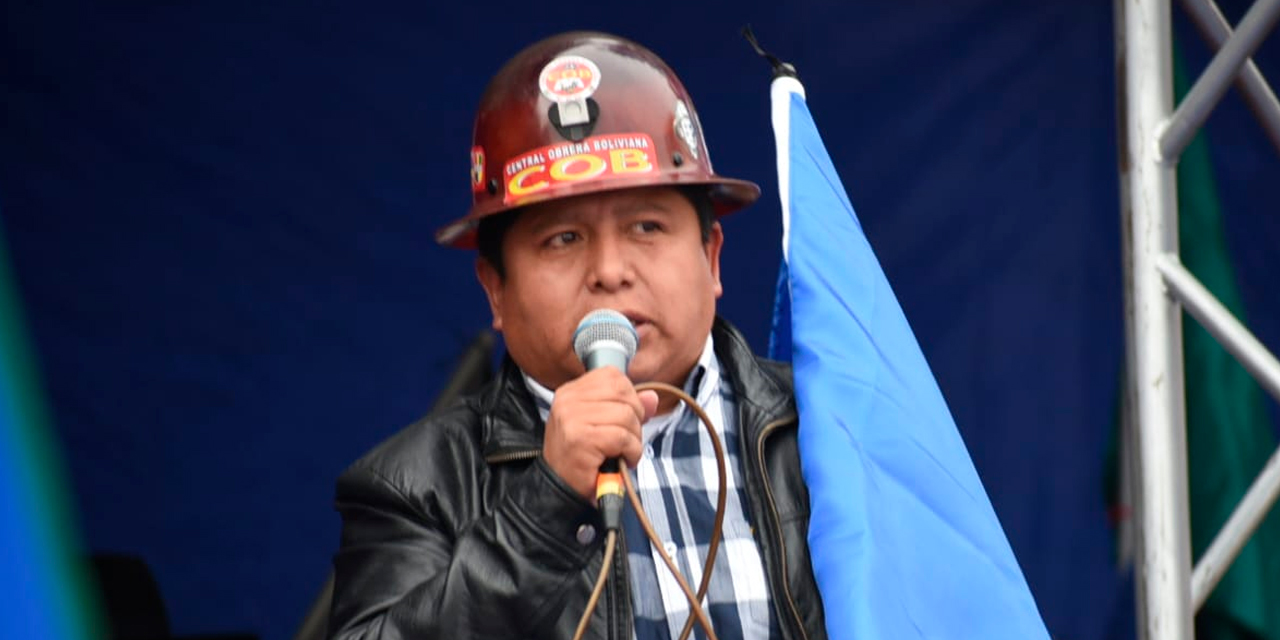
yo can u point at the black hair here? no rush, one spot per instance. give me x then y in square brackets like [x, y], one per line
[493, 229]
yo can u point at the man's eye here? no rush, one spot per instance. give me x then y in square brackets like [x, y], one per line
[648, 226]
[563, 238]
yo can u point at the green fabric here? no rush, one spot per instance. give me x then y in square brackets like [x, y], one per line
[53, 565]
[1229, 434]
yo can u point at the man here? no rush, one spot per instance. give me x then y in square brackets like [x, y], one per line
[592, 189]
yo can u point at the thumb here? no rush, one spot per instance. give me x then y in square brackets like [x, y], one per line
[649, 399]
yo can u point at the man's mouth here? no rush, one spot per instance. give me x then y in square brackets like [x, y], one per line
[637, 319]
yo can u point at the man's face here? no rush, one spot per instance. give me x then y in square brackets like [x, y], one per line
[637, 251]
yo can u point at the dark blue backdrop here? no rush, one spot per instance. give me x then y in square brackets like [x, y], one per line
[221, 218]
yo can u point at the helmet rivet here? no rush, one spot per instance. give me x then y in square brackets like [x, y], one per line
[492, 187]
[677, 159]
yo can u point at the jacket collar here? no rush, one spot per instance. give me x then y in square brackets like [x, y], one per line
[762, 390]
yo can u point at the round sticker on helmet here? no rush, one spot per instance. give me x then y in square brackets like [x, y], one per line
[685, 128]
[569, 78]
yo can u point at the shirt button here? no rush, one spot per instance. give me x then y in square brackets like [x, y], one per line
[670, 548]
[586, 534]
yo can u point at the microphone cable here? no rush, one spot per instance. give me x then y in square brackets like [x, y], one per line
[609, 499]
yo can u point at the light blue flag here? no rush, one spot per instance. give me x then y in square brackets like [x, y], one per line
[903, 538]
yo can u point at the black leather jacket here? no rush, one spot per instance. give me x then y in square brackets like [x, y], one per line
[456, 528]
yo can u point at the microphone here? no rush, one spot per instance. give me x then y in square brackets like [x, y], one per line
[607, 338]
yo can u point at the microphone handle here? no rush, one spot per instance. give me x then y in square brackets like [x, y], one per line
[606, 353]
[609, 488]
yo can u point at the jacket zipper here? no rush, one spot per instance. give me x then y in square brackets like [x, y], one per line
[512, 456]
[777, 520]
[622, 587]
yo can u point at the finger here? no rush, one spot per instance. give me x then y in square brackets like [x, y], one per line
[630, 448]
[588, 415]
[625, 411]
[611, 441]
[649, 399]
[632, 454]
[604, 384]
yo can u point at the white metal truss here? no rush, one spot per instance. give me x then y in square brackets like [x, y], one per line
[1158, 288]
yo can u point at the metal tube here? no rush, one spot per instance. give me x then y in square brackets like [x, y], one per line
[1258, 361]
[1129, 531]
[1208, 89]
[1223, 326]
[1154, 340]
[1235, 533]
[1257, 94]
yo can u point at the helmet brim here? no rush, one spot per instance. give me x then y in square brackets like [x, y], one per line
[727, 196]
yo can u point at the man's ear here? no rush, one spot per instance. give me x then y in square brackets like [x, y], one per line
[492, 282]
[715, 241]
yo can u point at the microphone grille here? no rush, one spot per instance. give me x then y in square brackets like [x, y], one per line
[605, 324]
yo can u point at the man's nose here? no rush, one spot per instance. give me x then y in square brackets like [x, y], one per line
[610, 268]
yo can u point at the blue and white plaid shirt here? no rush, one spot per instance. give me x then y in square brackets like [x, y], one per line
[677, 484]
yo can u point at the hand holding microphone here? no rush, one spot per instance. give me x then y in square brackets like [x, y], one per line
[597, 416]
